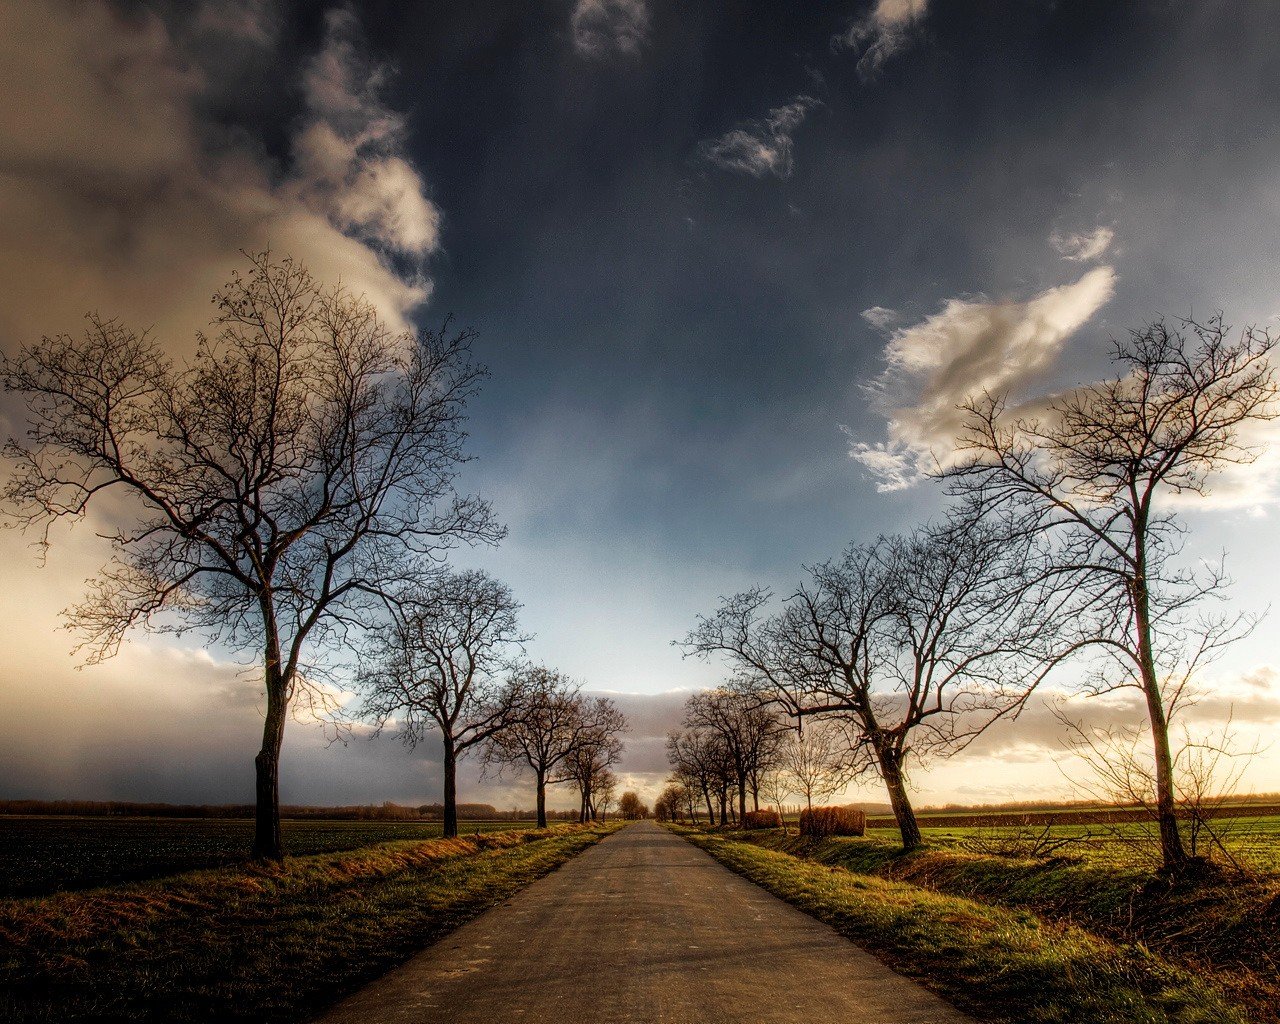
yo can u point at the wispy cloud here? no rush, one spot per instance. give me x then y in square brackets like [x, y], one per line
[883, 32]
[879, 317]
[965, 348]
[604, 27]
[1082, 247]
[760, 147]
[350, 157]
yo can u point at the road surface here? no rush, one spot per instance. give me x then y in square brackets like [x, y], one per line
[644, 927]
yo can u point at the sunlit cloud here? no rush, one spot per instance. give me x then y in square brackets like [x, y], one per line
[968, 347]
[883, 32]
[879, 317]
[604, 27]
[1082, 248]
[760, 147]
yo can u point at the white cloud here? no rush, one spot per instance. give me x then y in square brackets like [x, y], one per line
[1082, 248]
[350, 160]
[604, 27]
[879, 317]
[886, 30]
[965, 348]
[759, 147]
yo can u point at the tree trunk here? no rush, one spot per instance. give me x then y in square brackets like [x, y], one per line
[1172, 852]
[267, 841]
[542, 799]
[891, 771]
[742, 797]
[724, 809]
[450, 789]
[711, 811]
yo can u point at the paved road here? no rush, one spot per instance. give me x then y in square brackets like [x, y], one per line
[644, 927]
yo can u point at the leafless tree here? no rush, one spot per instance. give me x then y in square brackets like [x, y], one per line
[631, 807]
[1094, 474]
[918, 642]
[1207, 770]
[671, 802]
[748, 730]
[817, 760]
[551, 719]
[595, 752]
[604, 789]
[270, 492]
[436, 667]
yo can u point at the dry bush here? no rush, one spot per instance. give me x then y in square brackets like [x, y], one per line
[761, 819]
[821, 822]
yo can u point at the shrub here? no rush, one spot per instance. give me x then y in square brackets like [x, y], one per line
[821, 822]
[761, 819]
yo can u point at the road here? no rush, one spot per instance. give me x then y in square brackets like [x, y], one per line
[644, 927]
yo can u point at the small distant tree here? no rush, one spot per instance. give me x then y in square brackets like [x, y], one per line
[595, 752]
[631, 807]
[671, 802]
[818, 760]
[1094, 476]
[748, 730]
[275, 491]
[550, 717]
[436, 668]
[604, 790]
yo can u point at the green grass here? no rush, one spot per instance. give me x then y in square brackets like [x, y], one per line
[1000, 964]
[40, 855]
[253, 943]
[1254, 842]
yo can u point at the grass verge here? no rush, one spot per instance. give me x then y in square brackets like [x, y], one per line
[999, 964]
[269, 944]
[1222, 927]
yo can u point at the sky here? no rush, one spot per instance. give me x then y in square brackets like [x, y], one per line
[732, 267]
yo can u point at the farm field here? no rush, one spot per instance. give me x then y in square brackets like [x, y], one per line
[40, 855]
[1253, 841]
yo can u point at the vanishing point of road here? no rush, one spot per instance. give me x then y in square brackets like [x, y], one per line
[644, 927]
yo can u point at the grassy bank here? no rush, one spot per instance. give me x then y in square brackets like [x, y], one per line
[257, 943]
[999, 963]
[1226, 927]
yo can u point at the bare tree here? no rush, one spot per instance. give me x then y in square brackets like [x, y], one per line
[919, 642]
[671, 802]
[817, 760]
[631, 807]
[275, 488]
[595, 752]
[605, 788]
[748, 731]
[1094, 475]
[552, 719]
[695, 755]
[436, 667]
[1207, 770]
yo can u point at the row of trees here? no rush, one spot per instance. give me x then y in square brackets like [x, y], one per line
[290, 491]
[1062, 544]
[733, 745]
[442, 663]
